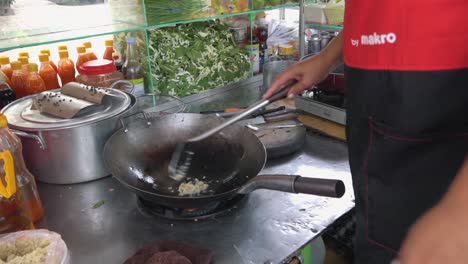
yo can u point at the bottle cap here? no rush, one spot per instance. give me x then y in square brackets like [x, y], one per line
[96, 67]
[62, 47]
[3, 121]
[63, 54]
[87, 44]
[23, 60]
[109, 42]
[43, 57]
[23, 54]
[45, 51]
[16, 65]
[131, 40]
[32, 67]
[4, 60]
[81, 49]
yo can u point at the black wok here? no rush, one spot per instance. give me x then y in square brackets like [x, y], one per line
[138, 156]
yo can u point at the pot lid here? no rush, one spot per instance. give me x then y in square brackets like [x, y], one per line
[20, 115]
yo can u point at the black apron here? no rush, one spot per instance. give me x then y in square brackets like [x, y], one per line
[407, 137]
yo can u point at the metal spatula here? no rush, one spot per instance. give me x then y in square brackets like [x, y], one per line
[183, 153]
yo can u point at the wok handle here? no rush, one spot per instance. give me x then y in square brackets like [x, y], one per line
[296, 184]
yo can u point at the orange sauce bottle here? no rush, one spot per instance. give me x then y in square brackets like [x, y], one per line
[82, 57]
[109, 51]
[66, 68]
[34, 82]
[18, 81]
[47, 51]
[5, 66]
[47, 73]
[89, 51]
[24, 65]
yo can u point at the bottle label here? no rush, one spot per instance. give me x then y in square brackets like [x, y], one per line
[139, 85]
[10, 176]
[254, 53]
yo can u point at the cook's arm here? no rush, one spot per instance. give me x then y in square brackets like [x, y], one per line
[312, 70]
[445, 222]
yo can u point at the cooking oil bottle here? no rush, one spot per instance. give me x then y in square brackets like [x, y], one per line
[14, 211]
[18, 191]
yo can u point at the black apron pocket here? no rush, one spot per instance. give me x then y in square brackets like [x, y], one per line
[405, 175]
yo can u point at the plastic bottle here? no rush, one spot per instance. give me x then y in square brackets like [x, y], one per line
[18, 82]
[82, 57]
[109, 51]
[24, 65]
[5, 66]
[15, 214]
[66, 68]
[132, 68]
[47, 73]
[88, 46]
[47, 51]
[25, 182]
[253, 48]
[34, 82]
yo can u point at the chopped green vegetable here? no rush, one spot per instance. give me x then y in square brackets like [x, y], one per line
[191, 58]
[98, 204]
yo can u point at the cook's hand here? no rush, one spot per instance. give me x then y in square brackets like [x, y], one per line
[307, 73]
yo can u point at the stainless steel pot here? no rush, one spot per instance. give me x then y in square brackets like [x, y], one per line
[271, 70]
[69, 151]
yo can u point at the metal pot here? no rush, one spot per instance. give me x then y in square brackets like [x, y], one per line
[68, 150]
[271, 70]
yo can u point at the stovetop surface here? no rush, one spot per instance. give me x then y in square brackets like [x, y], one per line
[270, 226]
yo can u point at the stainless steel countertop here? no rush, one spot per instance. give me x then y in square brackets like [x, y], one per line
[268, 228]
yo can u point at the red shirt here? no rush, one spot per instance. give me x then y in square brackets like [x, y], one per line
[419, 35]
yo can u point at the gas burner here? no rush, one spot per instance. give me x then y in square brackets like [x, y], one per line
[333, 98]
[211, 210]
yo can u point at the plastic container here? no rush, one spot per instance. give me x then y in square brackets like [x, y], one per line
[47, 73]
[101, 73]
[23, 243]
[286, 52]
[5, 66]
[34, 83]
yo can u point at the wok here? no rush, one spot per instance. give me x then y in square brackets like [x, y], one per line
[138, 155]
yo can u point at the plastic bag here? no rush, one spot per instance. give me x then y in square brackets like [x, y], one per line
[57, 252]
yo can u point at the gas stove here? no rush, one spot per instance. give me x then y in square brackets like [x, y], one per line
[209, 211]
[326, 100]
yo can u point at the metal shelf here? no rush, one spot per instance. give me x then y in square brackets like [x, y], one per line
[335, 28]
